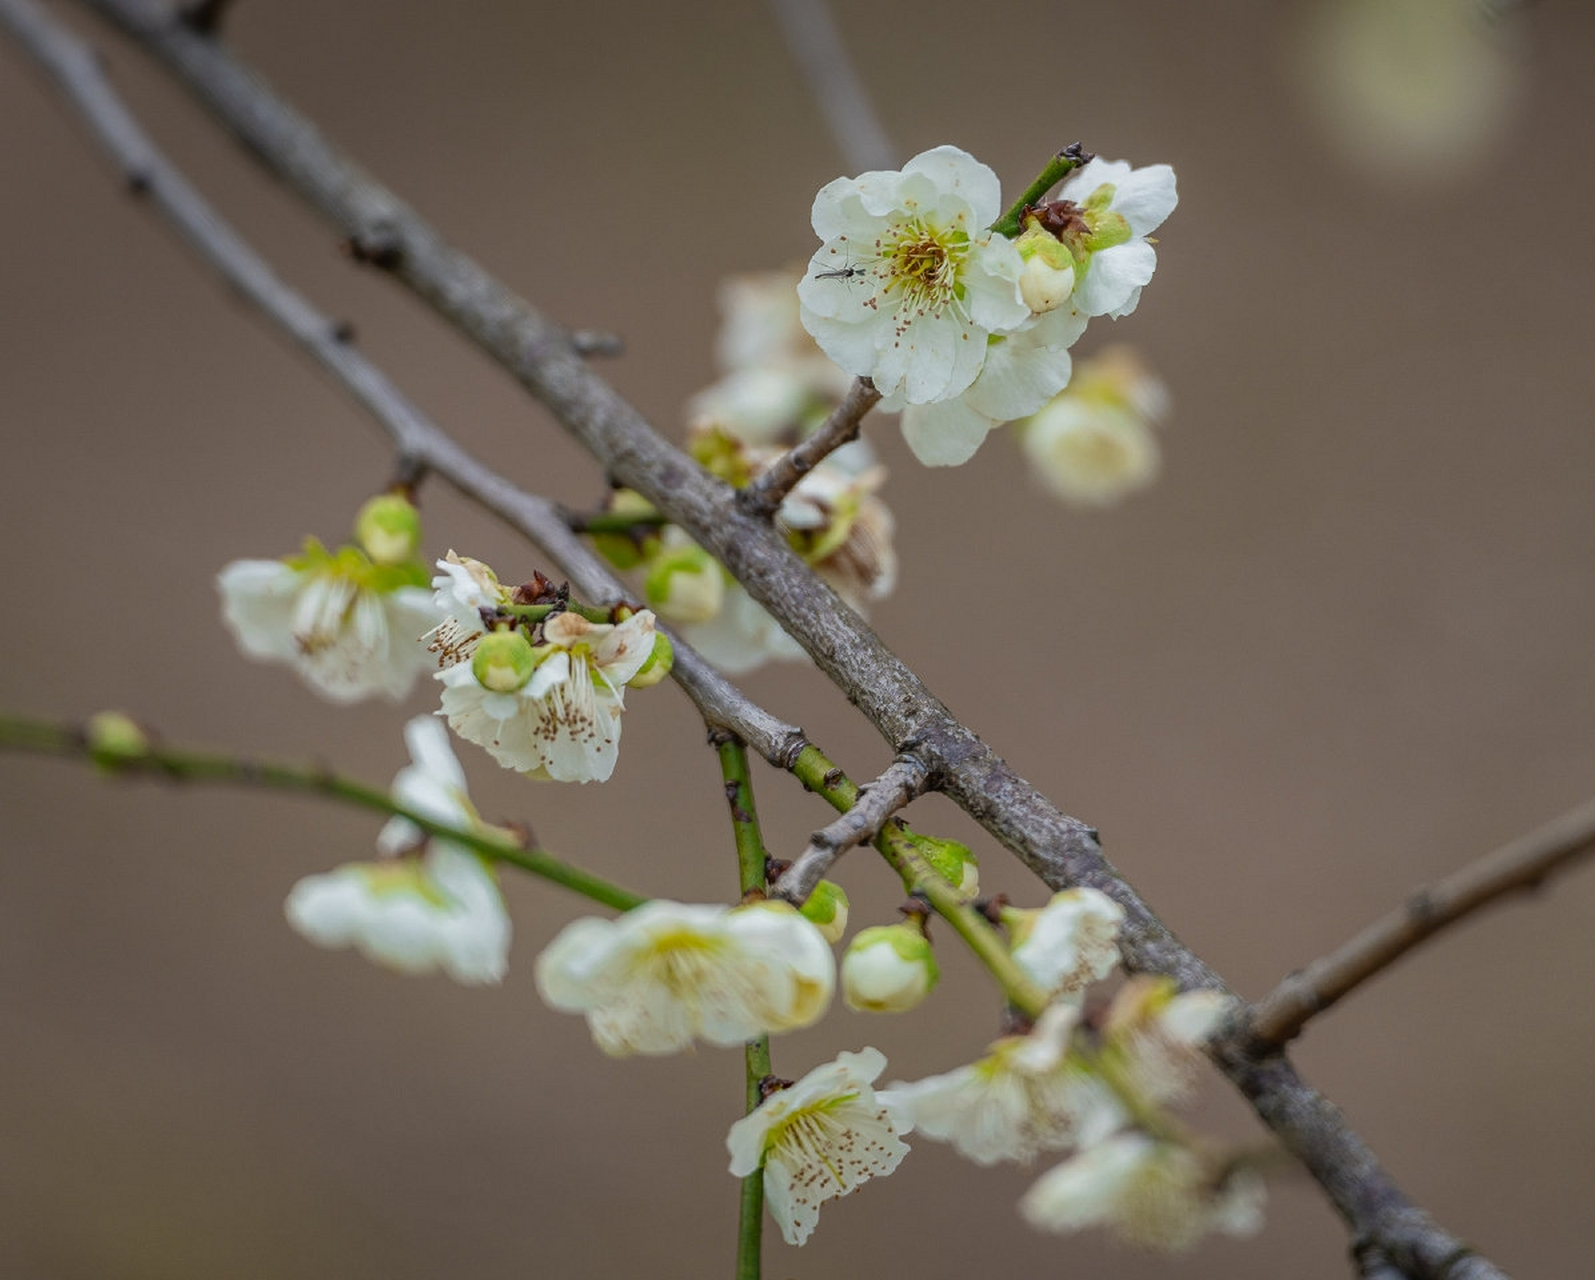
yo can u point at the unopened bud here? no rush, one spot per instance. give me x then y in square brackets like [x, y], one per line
[827, 909]
[388, 529]
[503, 661]
[658, 665]
[888, 969]
[114, 739]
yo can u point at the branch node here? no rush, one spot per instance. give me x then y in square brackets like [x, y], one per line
[203, 16]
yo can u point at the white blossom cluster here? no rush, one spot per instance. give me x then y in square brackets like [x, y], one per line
[961, 328]
[958, 326]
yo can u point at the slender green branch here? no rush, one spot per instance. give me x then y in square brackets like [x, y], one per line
[614, 521]
[537, 612]
[1058, 168]
[153, 760]
[751, 859]
[744, 815]
[816, 771]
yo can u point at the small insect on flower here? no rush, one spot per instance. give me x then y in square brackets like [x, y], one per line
[846, 273]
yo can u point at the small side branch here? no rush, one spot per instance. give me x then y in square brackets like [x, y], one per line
[1524, 864]
[904, 780]
[763, 497]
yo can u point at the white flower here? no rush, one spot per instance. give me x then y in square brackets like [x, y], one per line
[1154, 1034]
[1093, 444]
[348, 626]
[563, 720]
[909, 281]
[1114, 209]
[817, 1140]
[1150, 1193]
[460, 592]
[888, 969]
[1071, 942]
[441, 910]
[1026, 1096]
[667, 973]
[1022, 372]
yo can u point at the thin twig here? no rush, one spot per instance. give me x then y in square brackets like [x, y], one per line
[420, 442]
[834, 84]
[763, 496]
[1523, 864]
[160, 763]
[1061, 850]
[904, 779]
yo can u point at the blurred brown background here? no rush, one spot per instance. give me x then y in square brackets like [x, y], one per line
[1343, 646]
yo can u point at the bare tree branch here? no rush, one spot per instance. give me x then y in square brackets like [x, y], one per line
[834, 84]
[1060, 849]
[761, 498]
[1524, 864]
[904, 779]
[419, 441]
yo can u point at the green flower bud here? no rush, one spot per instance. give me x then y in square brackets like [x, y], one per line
[659, 663]
[389, 529]
[953, 862]
[624, 550]
[685, 584]
[115, 739]
[827, 908]
[889, 968]
[503, 661]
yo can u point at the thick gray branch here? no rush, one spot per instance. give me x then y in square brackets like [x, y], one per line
[877, 801]
[1521, 865]
[1060, 849]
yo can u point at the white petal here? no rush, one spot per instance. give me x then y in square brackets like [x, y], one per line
[1113, 276]
[944, 434]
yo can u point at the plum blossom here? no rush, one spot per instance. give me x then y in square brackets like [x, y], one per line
[909, 282]
[818, 1139]
[1149, 1192]
[667, 973]
[1093, 444]
[1023, 370]
[1070, 943]
[1107, 210]
[415, 912]
[550, 709]
[348, 621]
[1154, 1033]
[1029, 1094]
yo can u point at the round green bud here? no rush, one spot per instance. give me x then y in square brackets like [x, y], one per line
[388, 529]
[953, 862]
[827, 909]
[889, 968]
[503, 661]
[659, 663]
[114, 738]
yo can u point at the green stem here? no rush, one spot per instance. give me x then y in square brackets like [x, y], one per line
[1058, 168]
[816, 771]
[537, 612]
[171, 765]
[615, 521]
[756, 1053]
